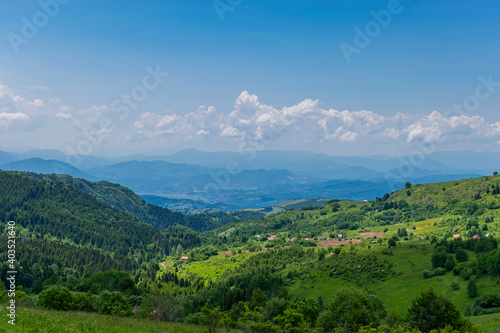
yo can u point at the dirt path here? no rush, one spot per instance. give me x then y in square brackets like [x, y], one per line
[328, 243]
[371, 234]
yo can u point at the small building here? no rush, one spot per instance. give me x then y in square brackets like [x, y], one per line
[273, 236]
[270, 238]
[257, 236]
[339, 235]
[366, 200]
[287, 246]
[456, 236]
[475, 237]
[307, 239]
[294, 238]
[185, 258]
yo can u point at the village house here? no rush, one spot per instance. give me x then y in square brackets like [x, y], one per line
[185, 258]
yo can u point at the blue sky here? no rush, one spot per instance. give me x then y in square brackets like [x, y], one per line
[268, 67]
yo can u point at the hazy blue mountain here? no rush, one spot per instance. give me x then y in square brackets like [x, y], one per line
[38, 165]
[471, 160]
[147, 170]
[46, 154]
[81, 162]
[6, 158]
[302, 162]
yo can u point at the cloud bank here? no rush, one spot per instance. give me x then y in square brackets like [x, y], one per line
[251, 120]
[43, 123]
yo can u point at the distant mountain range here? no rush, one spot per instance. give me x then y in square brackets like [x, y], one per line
[193, 179]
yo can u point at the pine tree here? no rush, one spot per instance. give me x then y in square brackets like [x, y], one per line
[472, 288]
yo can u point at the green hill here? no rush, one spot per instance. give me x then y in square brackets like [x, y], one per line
[391, 250]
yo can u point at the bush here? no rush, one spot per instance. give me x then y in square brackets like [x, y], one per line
[439, 271]
[111, 303]
[488, 301]
[351, 309]
[56, 298]
[82, 302]
[427, 274]
[194, 319]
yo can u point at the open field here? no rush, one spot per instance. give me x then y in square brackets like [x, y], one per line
[37, 320]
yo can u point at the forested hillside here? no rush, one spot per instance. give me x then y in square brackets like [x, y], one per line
[309, 269]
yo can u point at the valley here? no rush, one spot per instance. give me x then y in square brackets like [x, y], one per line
[99, 248]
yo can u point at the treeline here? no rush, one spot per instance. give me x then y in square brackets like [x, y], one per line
[125, 200]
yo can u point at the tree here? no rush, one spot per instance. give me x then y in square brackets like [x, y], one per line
[211, 318]
[37, 286]
[112, 303]
[472, 288]
[167, 307]
[495, 173]
[449, 264]
[407, 185]
[430, 311]
[391, 242]
[57, 298]
[351, 309]
[461, 255]
[439, 259]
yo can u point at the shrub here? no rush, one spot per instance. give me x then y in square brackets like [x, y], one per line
[427, 274]
[194, 319]
[111, 303]
[488, 301]
[439, 271]
[56, 298]
[82, 302]
[351, 309]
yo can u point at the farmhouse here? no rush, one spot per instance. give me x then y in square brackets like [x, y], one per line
[185, 258]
